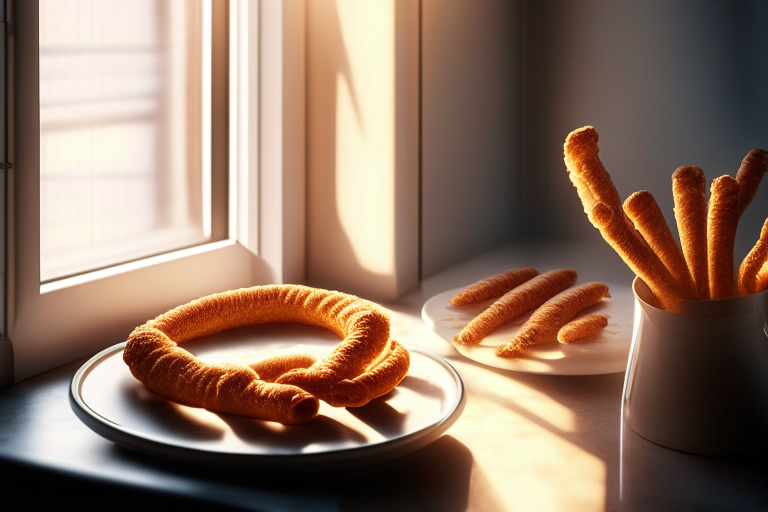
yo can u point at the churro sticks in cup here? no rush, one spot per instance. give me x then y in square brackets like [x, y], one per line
[547, 320]
[514, 303]
[754, 261]
[722, 219]
[689, 188]
[639, 257]
[644, 211]
[494, 286]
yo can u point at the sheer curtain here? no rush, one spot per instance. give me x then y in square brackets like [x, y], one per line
[124, 131]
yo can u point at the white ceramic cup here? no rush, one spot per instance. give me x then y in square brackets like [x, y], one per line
[698, 382]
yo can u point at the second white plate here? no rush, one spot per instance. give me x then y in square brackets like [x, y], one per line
[605, 352]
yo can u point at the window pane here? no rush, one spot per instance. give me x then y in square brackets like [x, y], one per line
[124, 130]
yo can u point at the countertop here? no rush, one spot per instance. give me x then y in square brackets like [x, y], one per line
[523, 442]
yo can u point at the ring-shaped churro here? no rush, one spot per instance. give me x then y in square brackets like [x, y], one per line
[365, 365]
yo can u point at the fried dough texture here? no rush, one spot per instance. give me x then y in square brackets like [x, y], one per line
[639, 257]
[762, 278]
[722, 220]
[689, 188]
[753, 262]
[514, 303]
[586, 170]
[582, 327]
[644, 211]
[365, 365]
[547, 320]
[749, 176]
[494, 286]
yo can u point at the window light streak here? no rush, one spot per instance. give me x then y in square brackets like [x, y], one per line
[207, 79]
[365, 133]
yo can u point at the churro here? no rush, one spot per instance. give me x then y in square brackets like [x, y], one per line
[689, 188]
[753, 262]
[547, 320]
[582, 327]
[644, 211]
[749, 175]
[722, 220]
[365, 365]
[639, 257]
[494, 286]
[514, 303]
[762, 278]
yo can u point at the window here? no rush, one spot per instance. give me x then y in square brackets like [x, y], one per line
[125, 130]
[59, 307]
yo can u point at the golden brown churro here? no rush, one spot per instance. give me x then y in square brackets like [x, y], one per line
[762, 278]
[753, 262]
[582, 327]
[639, 257]
[642, 209]
[365, 365]
[750, 173]
[689, 188]
[722, 219]
[547, 320]
[514, 303]
[494, 286]
[271, 368]
[586, 171]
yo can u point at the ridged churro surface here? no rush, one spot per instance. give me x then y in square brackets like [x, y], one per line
[689, 188]
[582, 327]
[366, 364]
[753, 262]
[722, 220]
[639, 257]
[494, 286]
[749, 176]
[514, 303]
[644, 211]
[762, 278]
[586, 170]
[547, 320]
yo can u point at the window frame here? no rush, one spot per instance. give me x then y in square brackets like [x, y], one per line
[56, 324]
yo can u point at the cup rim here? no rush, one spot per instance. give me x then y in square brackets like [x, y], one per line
[733, 306]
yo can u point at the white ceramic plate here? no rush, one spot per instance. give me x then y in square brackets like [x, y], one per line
[109, 400]
[605, 352]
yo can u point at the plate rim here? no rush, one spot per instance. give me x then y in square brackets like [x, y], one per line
[346, 456]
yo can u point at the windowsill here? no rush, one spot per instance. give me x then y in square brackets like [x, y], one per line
[529, 442]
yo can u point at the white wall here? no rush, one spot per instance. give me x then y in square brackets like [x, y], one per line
[470, 144]
[665, 82]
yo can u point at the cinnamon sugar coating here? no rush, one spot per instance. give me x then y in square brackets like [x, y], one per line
[762, 278]
[722, 220]
[547, 320]
[514, 303]
[494, 286]
[582, 327]
[365, 365]
[644, 211]
[753, 262]
[639, 257]
[749, 176]
[689, 188]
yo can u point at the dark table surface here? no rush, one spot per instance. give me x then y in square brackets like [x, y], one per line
[524, 442]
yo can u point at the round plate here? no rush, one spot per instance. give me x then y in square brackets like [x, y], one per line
[109, 400]
[605, 352]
